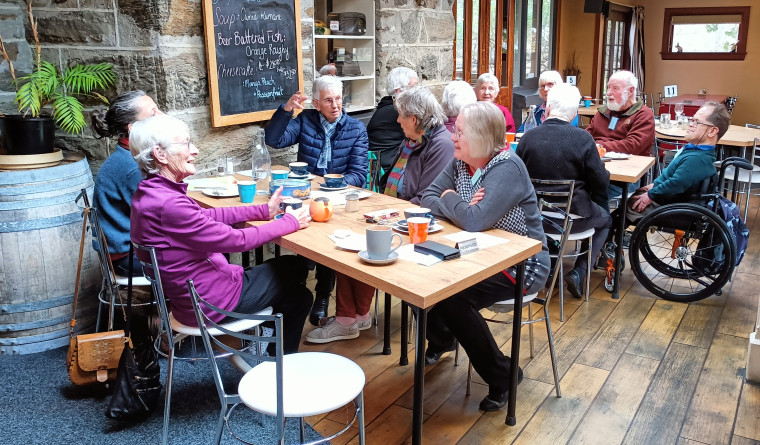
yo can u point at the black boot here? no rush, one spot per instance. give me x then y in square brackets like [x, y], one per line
[319, 309]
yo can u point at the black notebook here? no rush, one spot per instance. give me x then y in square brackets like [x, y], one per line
[439, 250]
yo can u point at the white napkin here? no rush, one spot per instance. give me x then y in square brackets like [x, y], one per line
[353, 241]
[338, 198]
[406, 252]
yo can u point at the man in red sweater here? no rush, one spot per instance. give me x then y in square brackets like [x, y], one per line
[624, 125]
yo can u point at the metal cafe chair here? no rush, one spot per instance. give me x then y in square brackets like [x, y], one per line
[559, 223]
[109, 288]
[293, 385]
[745, 178]
[175, 331]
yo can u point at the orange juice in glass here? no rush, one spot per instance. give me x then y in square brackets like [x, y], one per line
[601, 150]
[418, 229]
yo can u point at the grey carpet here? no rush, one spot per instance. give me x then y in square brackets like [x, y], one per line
[39, 405]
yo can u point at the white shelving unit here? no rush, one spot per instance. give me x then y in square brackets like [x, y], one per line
[359, 89]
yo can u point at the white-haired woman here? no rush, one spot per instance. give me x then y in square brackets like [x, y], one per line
[385, 133]
[546, 81]
[486, 89]
[484, 187]
[190, 240]
[426, 150]
[456, 95]
[329, 141]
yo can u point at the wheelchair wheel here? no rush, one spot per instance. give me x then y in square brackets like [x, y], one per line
[682, 252]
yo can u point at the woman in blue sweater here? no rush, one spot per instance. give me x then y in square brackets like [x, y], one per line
[119, 175]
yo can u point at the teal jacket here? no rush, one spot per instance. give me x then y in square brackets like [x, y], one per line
[683, 176]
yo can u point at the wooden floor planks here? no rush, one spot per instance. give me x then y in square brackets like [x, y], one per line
[638, 370]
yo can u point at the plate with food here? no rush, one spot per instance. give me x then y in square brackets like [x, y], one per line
[220, 192]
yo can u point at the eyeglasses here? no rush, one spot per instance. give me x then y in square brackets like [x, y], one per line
[694, 123]
[547, 86]
[186, 144]
[331, 101]
[458, 134]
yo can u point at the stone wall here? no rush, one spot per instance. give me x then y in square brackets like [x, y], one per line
[158, 46]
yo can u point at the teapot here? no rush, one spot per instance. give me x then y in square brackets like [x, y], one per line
[321, 209]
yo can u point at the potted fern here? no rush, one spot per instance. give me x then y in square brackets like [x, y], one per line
[48, 97]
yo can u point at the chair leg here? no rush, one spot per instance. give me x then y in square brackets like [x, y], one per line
[561, 279]
[377, 306]
[220, 424]
[361, 417]
[551, 351]
[168, 395]
[456, 355]
[469, 378]
[530, 328]
[301, 429]
[588, 268]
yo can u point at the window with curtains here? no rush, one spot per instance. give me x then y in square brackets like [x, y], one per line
[534, 40]
[615, 55]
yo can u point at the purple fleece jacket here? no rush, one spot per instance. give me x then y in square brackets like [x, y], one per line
[190, 240]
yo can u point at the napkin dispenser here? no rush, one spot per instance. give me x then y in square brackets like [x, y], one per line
[438, 250]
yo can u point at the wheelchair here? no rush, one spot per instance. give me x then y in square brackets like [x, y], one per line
[685, 251]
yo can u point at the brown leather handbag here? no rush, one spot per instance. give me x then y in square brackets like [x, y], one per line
[92, 358]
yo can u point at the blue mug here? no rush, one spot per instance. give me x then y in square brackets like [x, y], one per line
[419, 212]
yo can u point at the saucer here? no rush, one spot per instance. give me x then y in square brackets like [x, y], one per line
[220, 192]
[307, 176]
[611, 155]
[405, 229]
[332, 189]
[391, 258]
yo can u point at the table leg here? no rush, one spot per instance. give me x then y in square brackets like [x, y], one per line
[419, 375]
[246, 258]
[387, 326]
[259, 254]
[619, 240]
[515, 358]
[404, 355]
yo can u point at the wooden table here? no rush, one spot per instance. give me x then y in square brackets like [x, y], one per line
[736, 135]
[624, 172]
[588, 111]
[413, 283]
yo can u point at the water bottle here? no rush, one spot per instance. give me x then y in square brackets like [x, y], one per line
[261, 167]
[530, 122]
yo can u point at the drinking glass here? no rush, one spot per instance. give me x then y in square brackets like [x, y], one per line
[221, 166]
[678, 110]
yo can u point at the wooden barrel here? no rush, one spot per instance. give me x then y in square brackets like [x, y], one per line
[40, 230]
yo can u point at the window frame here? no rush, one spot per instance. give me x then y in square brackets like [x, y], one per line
[667, 33]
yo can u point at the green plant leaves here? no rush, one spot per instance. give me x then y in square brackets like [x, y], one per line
[45, 86]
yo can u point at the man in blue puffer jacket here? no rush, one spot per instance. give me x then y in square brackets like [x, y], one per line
[330, 141]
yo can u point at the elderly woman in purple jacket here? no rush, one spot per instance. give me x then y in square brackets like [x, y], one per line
[190, 240]
[425, 151]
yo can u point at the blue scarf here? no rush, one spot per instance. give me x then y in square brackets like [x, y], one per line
[325, 157]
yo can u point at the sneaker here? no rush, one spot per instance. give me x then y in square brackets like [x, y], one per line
[330, 330]
[364, 325]
[573, 282]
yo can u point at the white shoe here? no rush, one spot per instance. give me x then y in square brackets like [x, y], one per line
[364, 325]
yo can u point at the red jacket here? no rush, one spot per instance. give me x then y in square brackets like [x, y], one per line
[633, 134]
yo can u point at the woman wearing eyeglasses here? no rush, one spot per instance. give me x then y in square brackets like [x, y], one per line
[546, 81]
[190, 241]
[484, 187]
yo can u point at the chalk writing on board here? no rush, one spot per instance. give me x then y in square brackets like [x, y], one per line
[257, 67]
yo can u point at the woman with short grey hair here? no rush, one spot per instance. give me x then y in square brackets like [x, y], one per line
[456, 95]
[486, 89]
[189, 240]
[400, 79]
[484, 187]
[546, 81]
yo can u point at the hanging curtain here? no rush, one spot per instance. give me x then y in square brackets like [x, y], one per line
[636, 46]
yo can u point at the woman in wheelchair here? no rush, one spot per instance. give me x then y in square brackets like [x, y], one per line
[681, 249]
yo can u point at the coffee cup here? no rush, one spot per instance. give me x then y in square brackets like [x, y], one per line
[299, 168]
[334, 180]
[587, 101]
[509, 137]
[601, 150]
[513, 145]
[280, 174]
[380, 242]
[418, 212]
[293, 203]
[246, 190]
[418, 229]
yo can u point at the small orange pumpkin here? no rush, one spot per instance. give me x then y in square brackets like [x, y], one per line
[321, 209]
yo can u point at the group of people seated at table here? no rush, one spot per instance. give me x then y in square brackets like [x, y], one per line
[451, 158]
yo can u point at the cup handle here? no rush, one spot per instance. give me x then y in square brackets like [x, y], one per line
[400, 242]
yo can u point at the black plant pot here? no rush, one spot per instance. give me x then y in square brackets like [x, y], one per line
[27, 136]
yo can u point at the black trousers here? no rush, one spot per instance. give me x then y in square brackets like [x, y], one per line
[601, 222]
[280, 283]
[458, 318]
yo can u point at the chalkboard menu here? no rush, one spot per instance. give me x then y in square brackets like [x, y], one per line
[253, 53]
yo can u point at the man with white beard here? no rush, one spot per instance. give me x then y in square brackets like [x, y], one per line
[624, 125]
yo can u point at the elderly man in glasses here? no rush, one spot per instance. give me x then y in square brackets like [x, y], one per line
[692, 164]
[329, 141]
